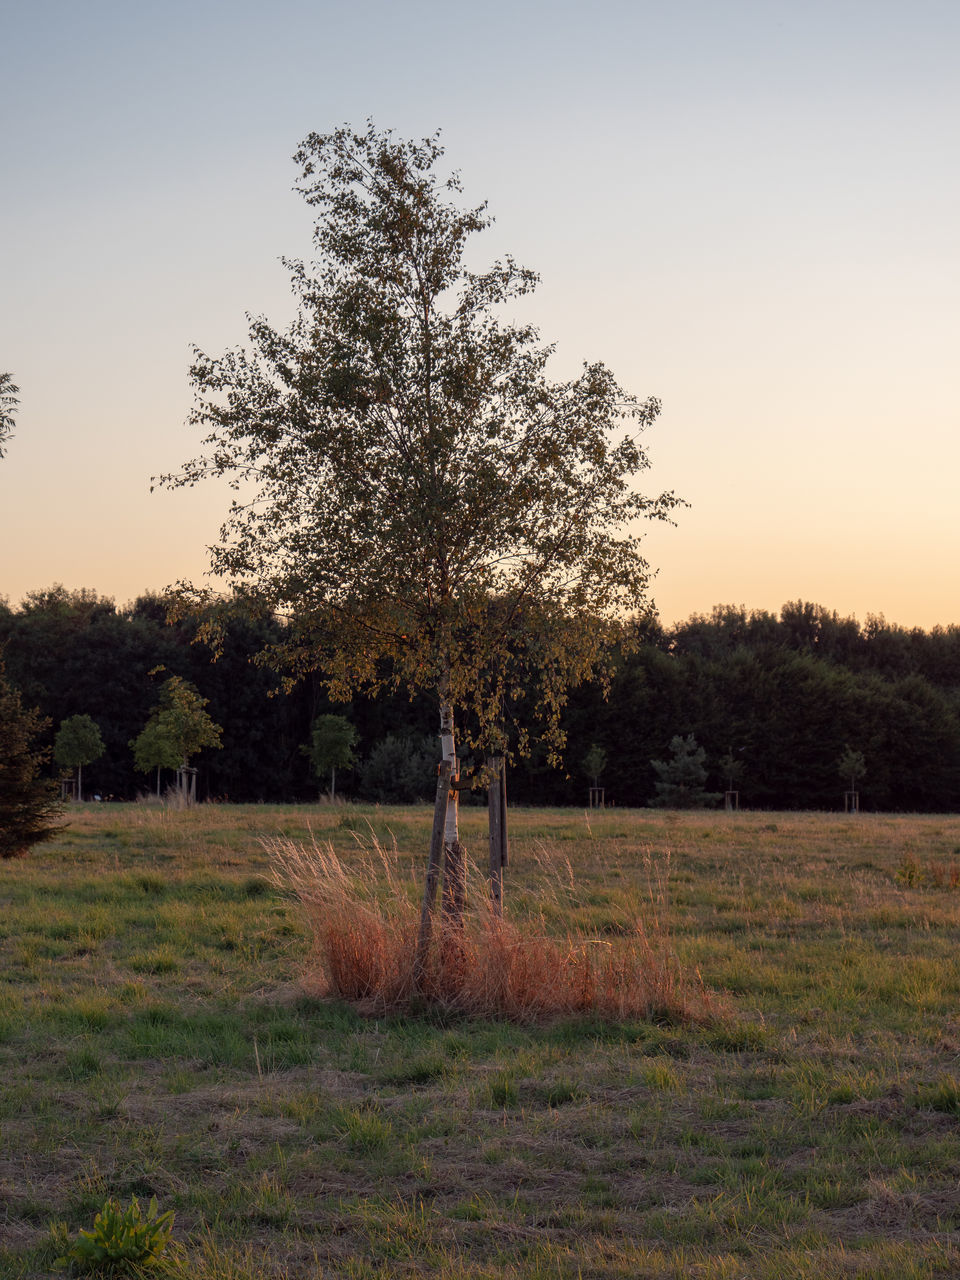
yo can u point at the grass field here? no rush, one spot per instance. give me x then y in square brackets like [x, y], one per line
[158, 1037]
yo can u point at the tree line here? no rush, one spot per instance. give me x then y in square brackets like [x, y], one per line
[778, 697]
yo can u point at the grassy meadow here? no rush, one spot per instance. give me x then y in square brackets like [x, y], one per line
[162, 1034]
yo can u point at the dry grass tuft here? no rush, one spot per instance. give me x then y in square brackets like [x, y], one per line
[364, 921]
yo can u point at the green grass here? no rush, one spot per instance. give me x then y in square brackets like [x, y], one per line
[158, 1036]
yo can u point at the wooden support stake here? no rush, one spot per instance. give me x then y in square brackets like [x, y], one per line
[495, 824]
[433, 869]
[504, 844]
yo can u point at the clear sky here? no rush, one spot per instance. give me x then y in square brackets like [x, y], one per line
[749, 208]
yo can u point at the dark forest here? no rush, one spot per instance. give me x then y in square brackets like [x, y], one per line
[783, 695]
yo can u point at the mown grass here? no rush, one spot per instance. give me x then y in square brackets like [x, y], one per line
[158, 1037]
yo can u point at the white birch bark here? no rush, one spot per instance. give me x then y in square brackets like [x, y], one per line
[454, 868]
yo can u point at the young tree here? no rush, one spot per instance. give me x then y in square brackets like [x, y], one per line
[332, 739]
[732, 769]
[28, 803]
[594, 763]
[9, 400]
[78, 742]
[680, 779]
[178, 728]
[852, 765]
[433, 510]
[397, 771]
[153, 748]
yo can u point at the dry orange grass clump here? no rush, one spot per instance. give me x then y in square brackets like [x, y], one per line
[364, 923]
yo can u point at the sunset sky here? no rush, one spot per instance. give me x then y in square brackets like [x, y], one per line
[748, 209]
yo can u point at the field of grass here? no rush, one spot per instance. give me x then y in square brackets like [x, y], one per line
[160, 1035]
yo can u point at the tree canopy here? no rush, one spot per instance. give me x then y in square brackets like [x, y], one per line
[183, 718]
[436, 512]
[9, 400]
[154, 748]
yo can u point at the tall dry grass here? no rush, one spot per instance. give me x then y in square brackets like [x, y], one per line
[364, 922]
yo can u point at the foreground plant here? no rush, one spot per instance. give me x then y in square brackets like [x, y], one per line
[121, 1239]
[28, 802]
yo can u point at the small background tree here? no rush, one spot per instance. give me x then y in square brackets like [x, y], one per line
[153, 748]
[731, 769]
[852, 766]
[680, 780]
[29, 805]
[78, 742]
[332, 740]
[594, 763]
[179, 727]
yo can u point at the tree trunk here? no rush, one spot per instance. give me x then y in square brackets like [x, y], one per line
[158, 782]
[80, 782]
[333, 784]
[454, 870]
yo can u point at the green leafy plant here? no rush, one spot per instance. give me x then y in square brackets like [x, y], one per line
[909, 872]
[121, 1239]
